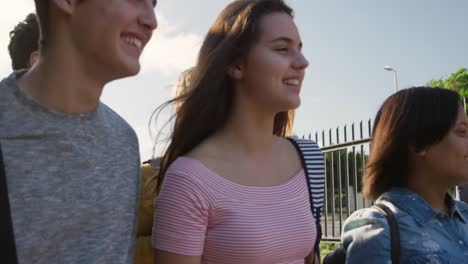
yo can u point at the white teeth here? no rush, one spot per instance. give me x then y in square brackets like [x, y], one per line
[292, 82]
[133, 41]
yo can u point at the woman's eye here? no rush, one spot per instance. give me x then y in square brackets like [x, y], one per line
[284, 49]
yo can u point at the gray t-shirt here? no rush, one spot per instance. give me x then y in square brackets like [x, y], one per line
[72, 180]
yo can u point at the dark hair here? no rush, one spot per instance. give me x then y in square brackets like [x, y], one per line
[43, 13]
[228, 41]
[23, 41]
[414, 118]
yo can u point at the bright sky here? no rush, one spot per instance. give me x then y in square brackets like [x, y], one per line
[346, 42]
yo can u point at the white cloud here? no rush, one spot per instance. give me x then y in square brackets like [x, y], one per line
[170, 50]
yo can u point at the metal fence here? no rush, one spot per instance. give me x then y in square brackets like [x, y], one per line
[345, 150]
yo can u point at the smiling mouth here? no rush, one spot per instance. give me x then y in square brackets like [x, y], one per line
[133, 41]
[292, 82]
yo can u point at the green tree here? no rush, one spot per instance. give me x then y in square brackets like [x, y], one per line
[457, 81]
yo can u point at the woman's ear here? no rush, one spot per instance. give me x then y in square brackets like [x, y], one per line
[420, 152]
[236, 71]
[66, 6]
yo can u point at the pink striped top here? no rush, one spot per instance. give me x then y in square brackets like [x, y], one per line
[200, 213]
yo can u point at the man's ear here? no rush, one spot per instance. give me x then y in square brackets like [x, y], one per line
[33, 58]
[66, 6]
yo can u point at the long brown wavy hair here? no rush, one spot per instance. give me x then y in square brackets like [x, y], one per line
[206, 103]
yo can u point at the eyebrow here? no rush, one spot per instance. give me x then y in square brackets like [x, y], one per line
[285, 39]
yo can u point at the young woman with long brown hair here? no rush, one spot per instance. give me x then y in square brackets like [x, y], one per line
[233, 188]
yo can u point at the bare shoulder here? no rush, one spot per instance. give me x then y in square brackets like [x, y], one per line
[287, 153]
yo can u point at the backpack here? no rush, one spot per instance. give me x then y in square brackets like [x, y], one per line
[339, 256]
[7, 240]
[314, 168]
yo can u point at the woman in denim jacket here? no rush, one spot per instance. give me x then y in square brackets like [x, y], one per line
[419, 151]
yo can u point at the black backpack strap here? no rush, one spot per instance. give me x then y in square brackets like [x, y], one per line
[314, 168]
[7, 240]
[394, 231]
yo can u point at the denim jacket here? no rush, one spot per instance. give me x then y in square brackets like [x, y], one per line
[426, 235]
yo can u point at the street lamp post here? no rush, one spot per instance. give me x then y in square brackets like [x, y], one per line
[395, 82]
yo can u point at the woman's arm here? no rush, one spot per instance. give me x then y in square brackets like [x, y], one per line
[164, 257]
[366, 238]
[312, 258]
[181, 217]
[317, 259]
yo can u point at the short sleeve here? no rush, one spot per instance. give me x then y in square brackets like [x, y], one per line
[366, 238]
[181, 214]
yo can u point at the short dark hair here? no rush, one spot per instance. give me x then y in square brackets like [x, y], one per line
[23, 41]
[414, 118]
[42, 11]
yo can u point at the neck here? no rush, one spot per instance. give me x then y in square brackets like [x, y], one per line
[430, 190]
[250, 129]
[62, 84]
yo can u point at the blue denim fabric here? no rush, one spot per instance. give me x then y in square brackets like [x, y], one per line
[426, 236]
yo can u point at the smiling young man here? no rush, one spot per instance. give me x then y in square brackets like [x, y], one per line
[71, 163]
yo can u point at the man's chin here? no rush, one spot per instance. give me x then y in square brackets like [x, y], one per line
[129, 70]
